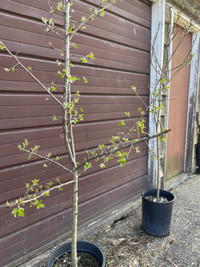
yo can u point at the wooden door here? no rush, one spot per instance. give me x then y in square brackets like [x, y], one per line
[178, 102]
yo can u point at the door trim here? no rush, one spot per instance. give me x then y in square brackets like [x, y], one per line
[157, 47]
[192, 105]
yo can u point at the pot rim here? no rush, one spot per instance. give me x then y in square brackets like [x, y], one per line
[56, 251]
[155, 190]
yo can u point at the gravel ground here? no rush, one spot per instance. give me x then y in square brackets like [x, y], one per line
[126, 245]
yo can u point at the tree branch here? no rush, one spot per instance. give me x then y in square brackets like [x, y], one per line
[35, 197]
[106, 153]
[31, 74]
[45, 158]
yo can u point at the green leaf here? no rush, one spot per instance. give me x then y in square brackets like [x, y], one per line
[58, 62]
[58, 7]
[122, 123]
[75, 46]
[21, 201]
[72, 79]
[83, 19]
[141, 110]
[91, 56]
[50, 184]
[6, 69]
[85, 80]
[62, 75]
[44, 20]
[46, 30]
[26, 142]
[87, 165]
[163, 80]
[27, 185]
[133, 88]
[54, 118]
[58, 180]
[102, 13]
[35, 181]
[51, 11]
[53, 88]
[18, 212]
[127, 114]
[2, 47]
[39, 204]
[51, 22]
[114, 139]
[137, 149]
[84, 60]
[122, 161]
[101, 147]
[102, 166]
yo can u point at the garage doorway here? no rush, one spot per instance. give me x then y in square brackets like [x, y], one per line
[178, 106]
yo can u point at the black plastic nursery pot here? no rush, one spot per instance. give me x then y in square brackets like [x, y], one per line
[82, 246]
[156, 216]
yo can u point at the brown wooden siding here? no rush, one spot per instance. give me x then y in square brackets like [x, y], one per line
[121, 44]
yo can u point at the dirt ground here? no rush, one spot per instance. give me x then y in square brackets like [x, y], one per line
[126, 245]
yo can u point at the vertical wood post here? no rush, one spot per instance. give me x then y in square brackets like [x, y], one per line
[192, 103]
[157, 54]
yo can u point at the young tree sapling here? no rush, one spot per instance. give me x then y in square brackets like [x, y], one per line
[118, 148]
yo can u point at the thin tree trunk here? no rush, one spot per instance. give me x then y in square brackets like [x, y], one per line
[68, 136]
[158, 160]
[74, 219]
[67, 87]
[158, 170]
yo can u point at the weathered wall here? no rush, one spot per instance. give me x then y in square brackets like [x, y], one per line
[187, 6]
[121, 44]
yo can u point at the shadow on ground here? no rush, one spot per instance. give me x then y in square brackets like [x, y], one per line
[126, 245]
